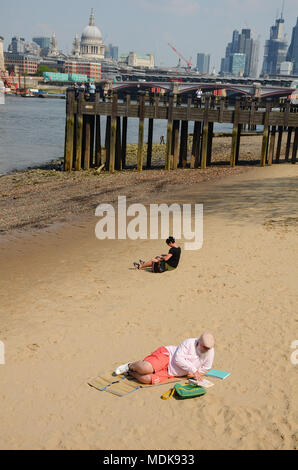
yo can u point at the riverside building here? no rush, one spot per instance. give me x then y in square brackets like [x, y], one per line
[92, 70]
[134, 60]
[21, 63]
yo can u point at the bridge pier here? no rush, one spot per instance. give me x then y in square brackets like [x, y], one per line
[83, 131]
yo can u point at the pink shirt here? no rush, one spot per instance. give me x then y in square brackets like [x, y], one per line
[187, 359]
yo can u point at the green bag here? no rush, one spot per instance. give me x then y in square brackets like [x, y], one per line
[184, 391]
[189, 390]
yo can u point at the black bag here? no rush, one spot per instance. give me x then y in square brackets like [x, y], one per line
[159, 267]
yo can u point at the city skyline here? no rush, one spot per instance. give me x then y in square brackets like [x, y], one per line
[150, 24]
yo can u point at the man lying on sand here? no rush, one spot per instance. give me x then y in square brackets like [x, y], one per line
[163, 263]
[193, 358]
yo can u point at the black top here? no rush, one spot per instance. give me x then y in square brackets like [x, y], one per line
[175, 258]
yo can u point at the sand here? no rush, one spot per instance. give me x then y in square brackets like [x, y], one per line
[71, 308]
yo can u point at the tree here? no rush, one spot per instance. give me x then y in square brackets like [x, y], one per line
[44, 68]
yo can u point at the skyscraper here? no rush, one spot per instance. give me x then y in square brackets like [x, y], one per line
[292, 55]
[112, 52]
[2, 66]
[275, 49]
[237, 64]
[242, 43]
[21, 46]
[203, 63]
[42, 41]
[17, 45]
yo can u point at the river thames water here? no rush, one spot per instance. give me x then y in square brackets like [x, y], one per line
[32, 132]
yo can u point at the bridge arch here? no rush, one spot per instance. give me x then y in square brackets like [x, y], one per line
[140, 86]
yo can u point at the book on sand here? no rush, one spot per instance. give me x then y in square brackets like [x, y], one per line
[219, 374]
[203, 383]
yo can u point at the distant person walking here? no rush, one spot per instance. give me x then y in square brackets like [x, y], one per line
[92, 91]
[77, 90]
[199, 94]
[162, 139]
[102, 93]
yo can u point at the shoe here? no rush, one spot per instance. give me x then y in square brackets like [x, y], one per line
[122, 369]
[136, 265]
[141, 261]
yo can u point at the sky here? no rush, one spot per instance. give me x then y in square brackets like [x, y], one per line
[146, 26]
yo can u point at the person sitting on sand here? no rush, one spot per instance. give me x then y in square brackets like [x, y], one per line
[170, 261]
[193, 358]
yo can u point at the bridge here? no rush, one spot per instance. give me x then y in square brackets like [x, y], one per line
[248, 90]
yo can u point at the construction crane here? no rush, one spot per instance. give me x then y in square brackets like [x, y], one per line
[188, 62]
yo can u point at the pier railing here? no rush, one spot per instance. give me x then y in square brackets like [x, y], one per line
[83, 148]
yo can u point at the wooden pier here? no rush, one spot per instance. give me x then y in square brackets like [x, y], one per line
[83, 132]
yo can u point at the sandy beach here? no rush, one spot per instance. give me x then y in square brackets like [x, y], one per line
[72, 308]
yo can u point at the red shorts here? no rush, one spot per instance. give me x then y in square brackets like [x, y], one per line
[159, 360]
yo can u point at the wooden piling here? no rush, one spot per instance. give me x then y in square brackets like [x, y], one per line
[79, 134]
[205, 134]
[118, 157]
[176, 144]
[108, 142]
[169, 133]
[238, 144]
[210, 141]
[272, 145]
[197, 149]
[150, 142]
[92, 135]
[279, 142]
[294, 153]
[141, 132]
[69, 131]
[194, 144]
[235, 134]
[288, 146]
[98, 157]
[183, 144]
[113, 133]
[87, 142]
[266, 134]
[124, 141]
[252, 115]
